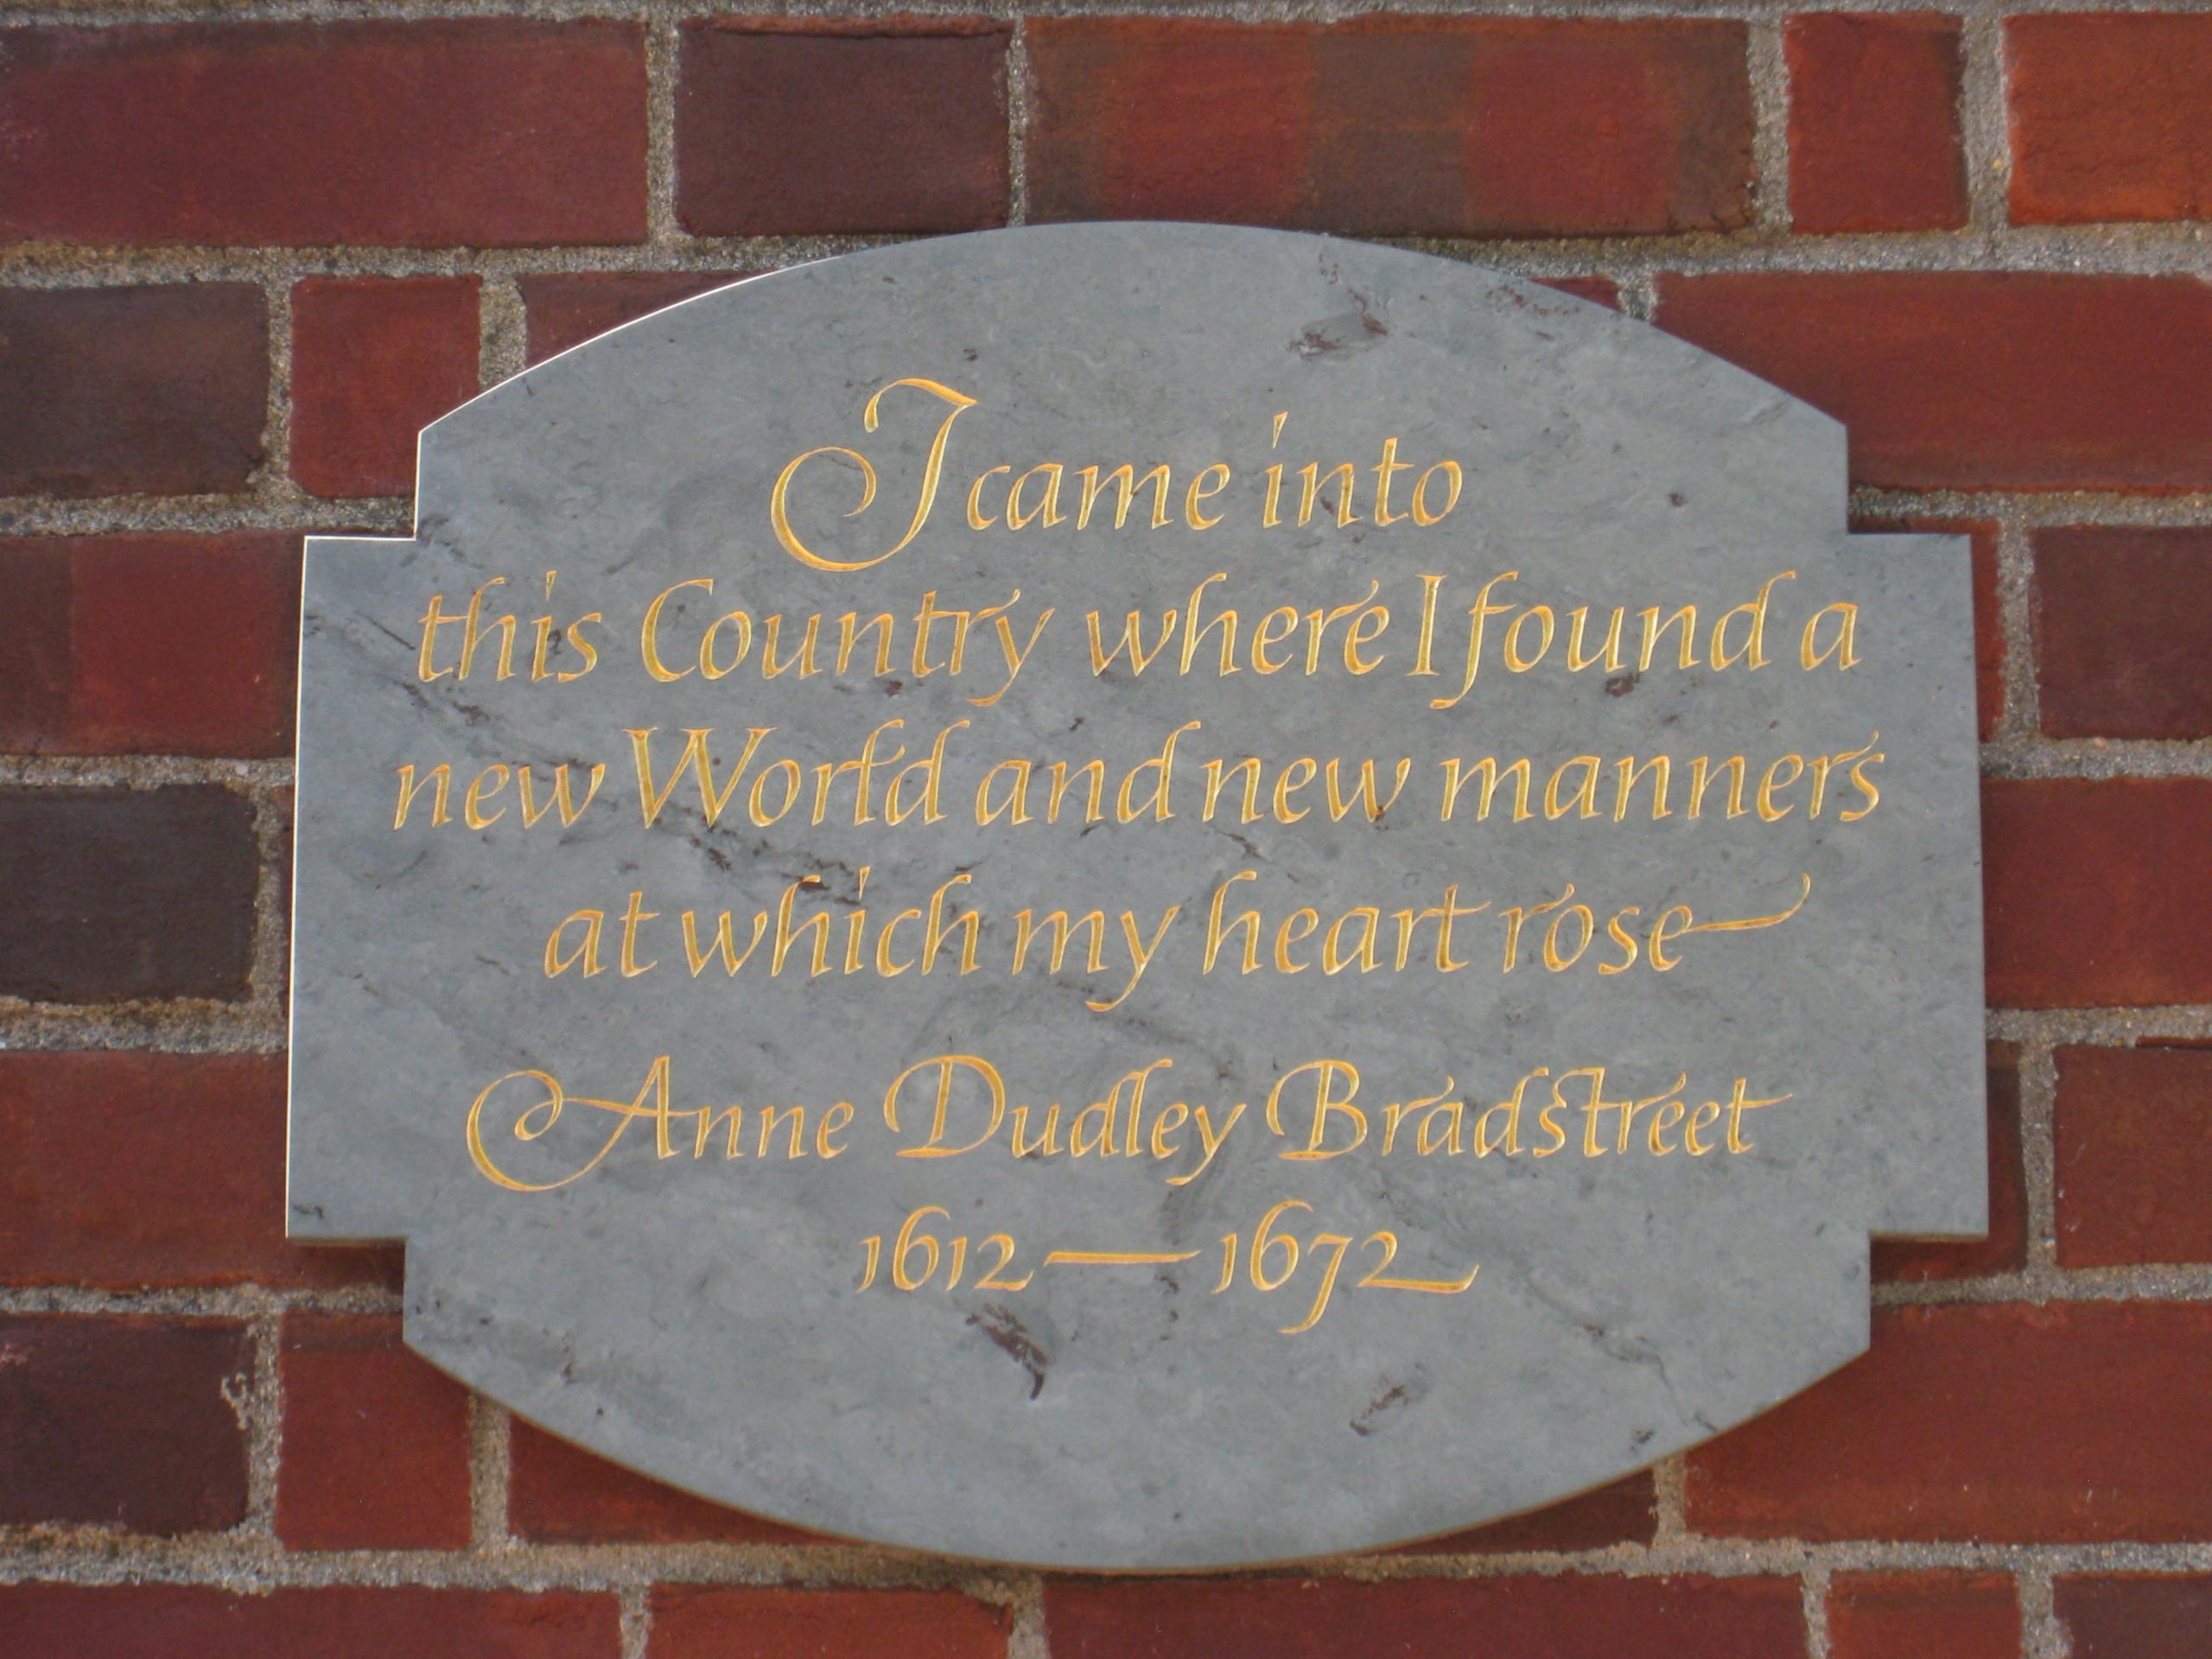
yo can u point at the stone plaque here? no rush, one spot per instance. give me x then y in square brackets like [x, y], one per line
[1136, 896]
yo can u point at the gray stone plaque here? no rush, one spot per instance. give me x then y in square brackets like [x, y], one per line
[1136, 896]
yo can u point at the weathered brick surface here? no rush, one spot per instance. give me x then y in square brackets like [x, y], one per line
[120, 1422]
[115, 894]
[2004, 1248]
[713, 1623]
[785, 131]
[376, 1441]
[560, 1494]
[1623, 1512]
[1874, 138]
[1390, 126]
[2094, 892]
[2124, 632]
[1978, 380]
[2134, 1155]
[188, 1187]
[2136, 1616]
[1924, 1616]
[2107, 117]
[374, 361]
[161, 389]
[171, 1621]
[1576, 1616]
[491, 131]
[164, 644]
[566, 308]
[2079, 1421]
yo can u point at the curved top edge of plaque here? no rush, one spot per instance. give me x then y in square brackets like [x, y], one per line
[1081, 254]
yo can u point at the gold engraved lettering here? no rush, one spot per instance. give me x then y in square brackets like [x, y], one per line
[946, 1065]
[778, 510]
[1125, 479]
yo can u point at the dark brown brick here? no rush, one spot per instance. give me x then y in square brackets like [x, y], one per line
[190, 1621]
[159, 391]
[2136, 1615]
[561, 1494]
[794, 130]
[2074, 1422]
[2134, 1156]
[567, 308]
[374, 361]
[478, 132]
[162, 644]
[1451, 127]
[2094, 892]
[2124, 632]
[120, 1422]
[1978, 380]
[189, 1186]
[2005, 1247]
[35, 643]
[1572, 1616]
[116, 894]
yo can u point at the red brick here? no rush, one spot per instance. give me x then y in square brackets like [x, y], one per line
[2134, 1155]
[2108, 116]
[566, 308]
[1988, 622]
[2124, 632]
[1574, 1617]
[186, 1621]
[120, 1422]
[1389, 125]
[1874, 123]
[713, 1623]
[561, 1494]
[2136, 1616]
[1625, 1512]
[189, 1186]
[785, 129]
[2005, 1247]
[480, 132]
[376, 1441]
[1924, 1616]
[157, 391]
[2094, 893]
[159, 644]
[2080, 1421]
[1981, 380]
[1599, 290]
[374, 361]
[116, 894]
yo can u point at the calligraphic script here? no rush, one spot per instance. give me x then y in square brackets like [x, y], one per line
[1136, 896]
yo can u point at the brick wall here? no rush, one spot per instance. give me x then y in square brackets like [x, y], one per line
[242, 261]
